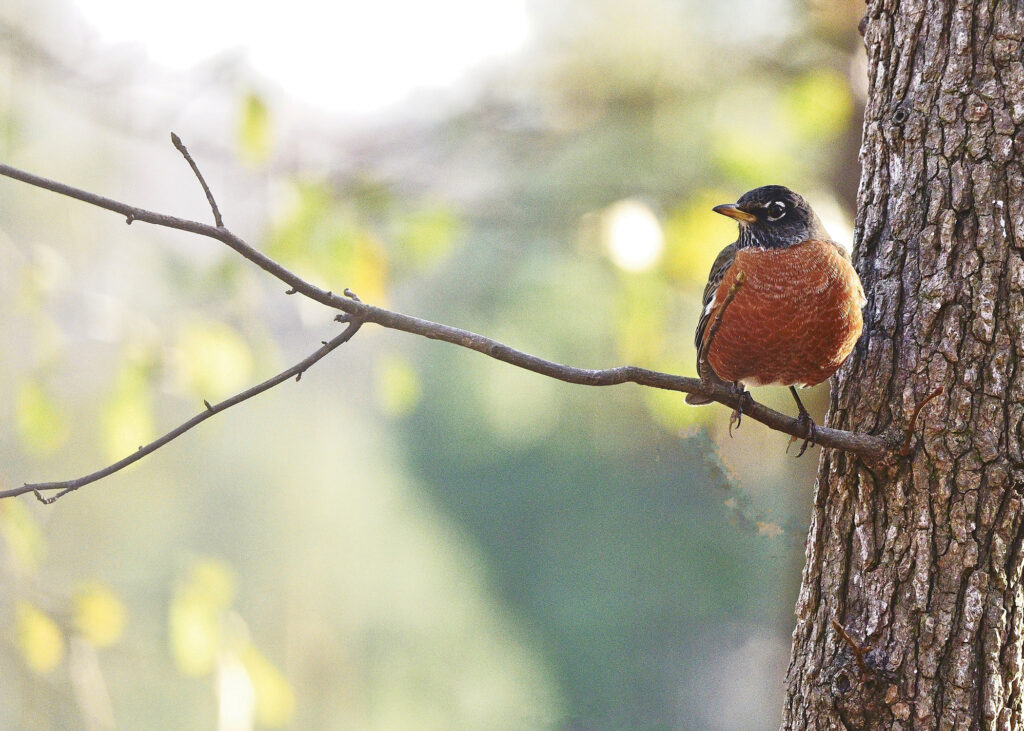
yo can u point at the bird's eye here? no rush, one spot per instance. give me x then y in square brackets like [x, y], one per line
[776, 210]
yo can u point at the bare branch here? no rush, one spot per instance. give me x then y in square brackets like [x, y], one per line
[209, 410]
[176, 141]
[868, 446]
[133, 213]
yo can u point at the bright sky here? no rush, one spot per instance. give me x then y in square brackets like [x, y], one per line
[346, 56]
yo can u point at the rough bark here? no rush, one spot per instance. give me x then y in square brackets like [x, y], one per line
[921, 560]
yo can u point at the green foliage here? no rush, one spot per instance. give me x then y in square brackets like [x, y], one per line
[363, 240]
[425, 236]
[39, 638]
[99, 615]
[275, 699]
[25, 543]
[693, 238]
[415, 537]
[748, 140]
[255, 131]
[817, 105]
[126, 419]
[207, 636]
[42, 424]
[93, 613]
[322, 237]
[214, 361]
[195, 618]
[398, 385]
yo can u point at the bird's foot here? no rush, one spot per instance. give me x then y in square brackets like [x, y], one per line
[808, 425]
[745, 399]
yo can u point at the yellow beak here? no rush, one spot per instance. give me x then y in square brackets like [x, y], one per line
[732, 211]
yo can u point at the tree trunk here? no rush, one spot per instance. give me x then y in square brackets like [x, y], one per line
[921, 559]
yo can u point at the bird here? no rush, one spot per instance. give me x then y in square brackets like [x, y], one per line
[782, 305]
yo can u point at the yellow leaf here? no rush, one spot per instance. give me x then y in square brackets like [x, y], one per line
[214, 360]
[39, 638]
[41, 423]
[254, 130]
[368, 273]
[193, 633]
[196, 614]
[298, 228]
[126, 420]
[214, 581]
[21, 531]
[398, 386]
[275, 699]
[326, 241]
[99, 615]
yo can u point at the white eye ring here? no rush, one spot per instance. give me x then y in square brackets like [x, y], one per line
[776, 210]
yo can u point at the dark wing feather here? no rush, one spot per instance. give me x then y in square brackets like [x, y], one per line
[718, 270]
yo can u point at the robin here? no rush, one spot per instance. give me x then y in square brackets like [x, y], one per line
[782, 305]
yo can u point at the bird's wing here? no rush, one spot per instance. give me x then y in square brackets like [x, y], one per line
[718, 270]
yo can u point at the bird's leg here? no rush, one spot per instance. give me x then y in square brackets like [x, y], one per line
[806, 421]
[744, 399]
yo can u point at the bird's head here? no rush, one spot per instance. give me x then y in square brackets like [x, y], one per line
[773, 217]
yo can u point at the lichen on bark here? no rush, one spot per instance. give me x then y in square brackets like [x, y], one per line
[921, 561]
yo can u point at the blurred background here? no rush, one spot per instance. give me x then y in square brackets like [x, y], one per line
[414, 536]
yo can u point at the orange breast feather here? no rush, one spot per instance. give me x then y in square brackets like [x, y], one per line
[794, 319]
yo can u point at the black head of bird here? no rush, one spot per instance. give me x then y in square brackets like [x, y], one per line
[773, 217]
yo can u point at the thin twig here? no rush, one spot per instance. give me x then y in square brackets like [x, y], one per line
[859, 651]
[866, 445]
[176, 141]
[905, 449]
[67, 486]
[133, 213]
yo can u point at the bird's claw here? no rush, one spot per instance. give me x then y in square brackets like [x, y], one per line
[808, 425]
[737, 415]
